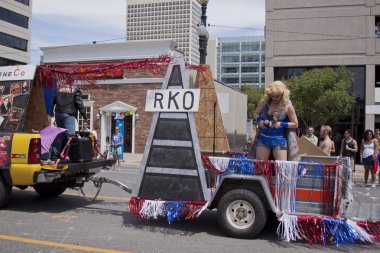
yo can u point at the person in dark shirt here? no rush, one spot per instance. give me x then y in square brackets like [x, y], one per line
[349, 148]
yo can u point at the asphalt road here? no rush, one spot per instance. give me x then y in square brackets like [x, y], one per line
[73, 223]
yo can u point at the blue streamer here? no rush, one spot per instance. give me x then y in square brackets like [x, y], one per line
[341, 232]
[173, 210]
[240, 166]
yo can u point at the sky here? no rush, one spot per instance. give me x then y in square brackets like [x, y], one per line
[72, 22]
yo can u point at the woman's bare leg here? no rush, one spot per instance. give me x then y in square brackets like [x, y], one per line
[262, 153]
[366, 174]
[280, 155]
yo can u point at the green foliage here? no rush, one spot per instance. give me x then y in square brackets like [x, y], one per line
[322, 96]
[255, 94]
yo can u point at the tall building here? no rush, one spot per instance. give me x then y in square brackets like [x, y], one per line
[302, 35]
[15, 31]
[166, 19]
[241, 60]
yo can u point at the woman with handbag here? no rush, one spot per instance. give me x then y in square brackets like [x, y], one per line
[275, 114]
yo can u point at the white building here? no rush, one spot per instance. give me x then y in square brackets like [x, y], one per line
[15, 31]
[241, 60]
[166, 19]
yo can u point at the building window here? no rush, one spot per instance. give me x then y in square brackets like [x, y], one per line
[377, 27]
[13, 42]
[230, 80]
[13, 18]
[26, 2]
[377, 76]
[230, 47]
[230, 58]
[230, 69]
[250, 46]
[245, 69]
[7, 62]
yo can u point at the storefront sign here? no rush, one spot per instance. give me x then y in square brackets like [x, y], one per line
[20, 72]
[172, 100]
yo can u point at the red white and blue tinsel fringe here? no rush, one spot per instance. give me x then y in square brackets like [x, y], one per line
[171, 210]
[324, 230]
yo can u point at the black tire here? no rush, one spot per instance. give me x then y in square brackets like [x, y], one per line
[241, 214]
[49, 190]
[5, 191]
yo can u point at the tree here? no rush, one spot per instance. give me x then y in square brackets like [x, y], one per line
[322, 96]
[255, 94]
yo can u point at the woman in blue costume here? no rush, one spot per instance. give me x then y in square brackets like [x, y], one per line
[275, 113]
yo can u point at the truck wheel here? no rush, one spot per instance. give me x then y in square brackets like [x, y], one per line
[49, 190]
[5, 192]
[241, 214]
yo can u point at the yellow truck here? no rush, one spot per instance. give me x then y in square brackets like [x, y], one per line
[22, 111]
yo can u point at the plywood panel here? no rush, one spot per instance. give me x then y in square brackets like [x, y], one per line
[36, 118]
[208, 119]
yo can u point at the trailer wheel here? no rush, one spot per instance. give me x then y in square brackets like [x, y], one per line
[49, 190]
[5, 192]
[241, 214]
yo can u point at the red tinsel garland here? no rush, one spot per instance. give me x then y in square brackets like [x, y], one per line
[134, 206]
[89, 73]
[372, 228]
[311, 227]
[208, 164]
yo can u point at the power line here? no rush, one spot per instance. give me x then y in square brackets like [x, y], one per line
[307, 33]
[221, 26]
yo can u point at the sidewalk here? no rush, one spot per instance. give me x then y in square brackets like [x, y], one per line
[132, 159]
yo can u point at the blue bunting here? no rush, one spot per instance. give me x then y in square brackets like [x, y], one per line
[340, 231]
[173, 210]
[240, 166]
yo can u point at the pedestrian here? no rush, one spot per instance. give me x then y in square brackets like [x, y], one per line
[368, 150]
[85, 127]
[327, 145]
[310, 136]
[66, 103]
[275, 114]
[349, 147]
[117, 142]
[377, 136]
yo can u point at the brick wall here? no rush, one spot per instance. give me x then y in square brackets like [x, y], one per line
[131, 94]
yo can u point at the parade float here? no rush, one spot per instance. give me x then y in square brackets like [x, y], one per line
[310, 198]
[177, 181]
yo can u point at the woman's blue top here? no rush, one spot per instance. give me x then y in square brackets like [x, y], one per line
[271, 135]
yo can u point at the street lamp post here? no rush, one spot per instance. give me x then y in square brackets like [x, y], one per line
[203, 33]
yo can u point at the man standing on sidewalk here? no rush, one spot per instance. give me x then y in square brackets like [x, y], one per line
[349, 147]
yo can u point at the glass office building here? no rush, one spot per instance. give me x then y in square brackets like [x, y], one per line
[241, 61]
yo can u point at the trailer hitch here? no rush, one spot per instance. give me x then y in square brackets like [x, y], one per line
[98, 183]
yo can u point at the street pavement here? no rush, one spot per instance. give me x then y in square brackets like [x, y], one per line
[76, 223]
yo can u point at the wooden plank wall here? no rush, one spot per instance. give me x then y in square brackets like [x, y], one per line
[36, 117]
[204, 118]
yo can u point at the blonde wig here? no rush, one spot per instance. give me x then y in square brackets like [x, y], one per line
[277, 88]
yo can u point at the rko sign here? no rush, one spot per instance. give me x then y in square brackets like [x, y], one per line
[172, 100]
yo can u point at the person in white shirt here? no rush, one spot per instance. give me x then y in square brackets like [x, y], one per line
[310, 136]
[368, 151]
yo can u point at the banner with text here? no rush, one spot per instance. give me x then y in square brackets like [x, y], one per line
[172, 100]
